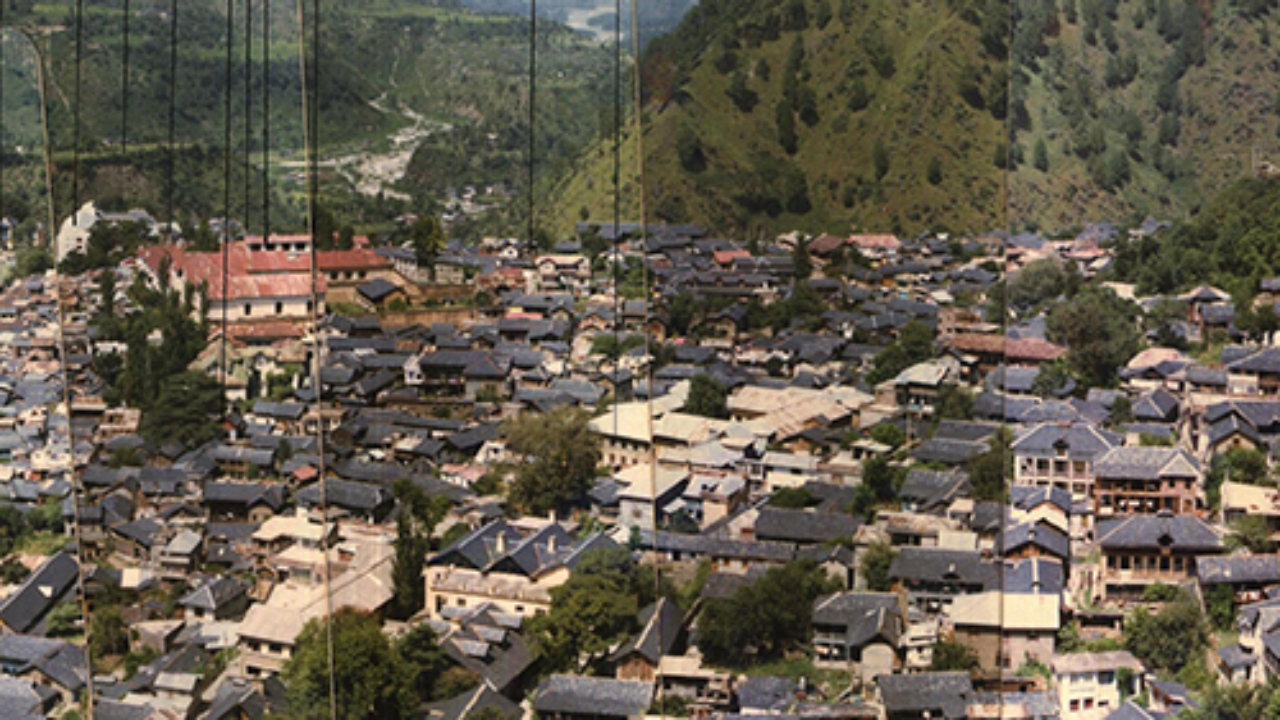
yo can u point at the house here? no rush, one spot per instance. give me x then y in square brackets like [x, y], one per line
[1142, 550]
[1090, 685]
[498, 565]
[379, 294]
[24, 609]
[931, 578]
[251, 502]
[220, 598]
[1147, 480]
[570, 697]
[861, 631]
[661, 631]
[939, 695]
[646, 491]
[1061, 455]
[482, 698]
[804, 527]
[1007, 630]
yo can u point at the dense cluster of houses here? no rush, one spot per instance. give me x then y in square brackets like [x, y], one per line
[290, 513]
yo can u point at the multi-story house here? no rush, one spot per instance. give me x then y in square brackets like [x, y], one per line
[1147, 480]
[1143, 550]
[1061, 456]
[1091, 686]
[859, 631]
[510, 571]
[931, 578]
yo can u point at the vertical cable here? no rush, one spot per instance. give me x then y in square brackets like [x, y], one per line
[75, 150]
[226, 201]
[619, 305]
[3, 67]
[72, 474]
[311, 145]
[173, 113]
[638, 117]
[124, 90]
[533, 94]
[248, 102]
[266, 120]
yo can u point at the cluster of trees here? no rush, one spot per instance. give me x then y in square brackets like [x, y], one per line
[1099, 330]
[766, 618]
[373, 676]
[178, 404]
[1231, 234]
[913, 345]
[416, 521]
[559, 455]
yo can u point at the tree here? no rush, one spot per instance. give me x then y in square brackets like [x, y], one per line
[706, 397]
[768, 617]
[1121, 412]
[1240, 465]
[874, 566]
[1052, 380]
[406, 569]
[108, 634]
[914, 345]
[954, 403]
[743, 97]
[1170, 638]
[427, 238]
[559, 455]
[1038, 282]
[184, 411]
[1098, 329]
[593, 611]
[888, 434]
[1252, 532]
[368, 678]
[880, 158]
[424, 662]
[934, 172]
[791, 498]
[949, 655]
[988, 471]
[786, 122]
[1040, 156]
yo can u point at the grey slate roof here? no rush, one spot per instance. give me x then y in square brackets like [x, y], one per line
[1042, 535]
[22, 610]
[931, 490]
[945, 692]
[661, 624]
[864, 615]
[482, 697]
[603, 697]
[803, 526]
[1077, 440]
[1152, 532]
[1238, 569]
[1034, 576]
[1146, 463]
[931, 564]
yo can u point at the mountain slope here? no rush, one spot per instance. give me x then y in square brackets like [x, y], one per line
[871, 89]
[1139, 107]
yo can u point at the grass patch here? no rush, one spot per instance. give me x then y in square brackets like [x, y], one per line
[43, 543]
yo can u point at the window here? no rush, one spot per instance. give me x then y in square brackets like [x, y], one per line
[1075, 706]
[248, 309]
[279, 308]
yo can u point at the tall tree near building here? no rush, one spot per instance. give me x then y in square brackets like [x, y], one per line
[558, 458]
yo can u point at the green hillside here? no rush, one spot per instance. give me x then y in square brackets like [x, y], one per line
[815, 114]
[1138, 107]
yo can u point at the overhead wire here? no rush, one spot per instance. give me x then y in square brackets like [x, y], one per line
[171, 169]
[533, 100]
[225, 234]
[311, 147]
[124, 79]
[75, 479]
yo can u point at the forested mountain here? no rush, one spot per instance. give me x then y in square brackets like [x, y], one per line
[826, 114]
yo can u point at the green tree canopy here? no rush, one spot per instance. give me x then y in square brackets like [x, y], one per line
[874, 566]
[764, 619]
[368, 678]
[1100, 333]
[707, 397]
[593, 611]
[1170, 638]
[559, 458]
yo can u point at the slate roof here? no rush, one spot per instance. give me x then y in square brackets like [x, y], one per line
[766, 693]
[1238, 569]
[357, 496]
[661, 624]
[482, 697]
[1034, 576]
[931, 564]
[1026, 497]
[948, 692]
[865, 616]
[24, 608]
[1185, 533]
[572, 694]
[1042, 535]
[215, 593]
[803, 526]
[1079, 441]
[1263, 362]
[949, 452]
[1146, 463]
[932, 490]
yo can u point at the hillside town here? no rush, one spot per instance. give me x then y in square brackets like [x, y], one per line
[640, 472]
